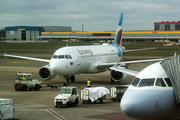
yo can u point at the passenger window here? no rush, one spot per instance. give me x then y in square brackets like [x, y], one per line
[135, 82]
[147, 82]
[69, 57]
[66, 57]
[160, 82]
[168, 82]
[61, 57]
[55, 56]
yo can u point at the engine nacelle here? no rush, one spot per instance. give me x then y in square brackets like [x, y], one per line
[45, 73]
[118, 76]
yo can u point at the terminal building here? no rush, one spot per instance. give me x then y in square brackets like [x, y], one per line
[162, 31]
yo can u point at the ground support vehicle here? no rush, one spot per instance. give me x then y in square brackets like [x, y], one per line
[94, 94]
[117, 92]
[24, 82]
[68, 97]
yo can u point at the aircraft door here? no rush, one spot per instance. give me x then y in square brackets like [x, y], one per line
[98, 57]
[78, 58]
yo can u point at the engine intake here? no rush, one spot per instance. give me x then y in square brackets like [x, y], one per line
[118, 76]
[45, 73]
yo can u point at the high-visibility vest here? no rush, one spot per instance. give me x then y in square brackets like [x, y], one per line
[24, 78]
[88, 83]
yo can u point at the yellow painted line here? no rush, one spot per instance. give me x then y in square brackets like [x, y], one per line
[125, 32]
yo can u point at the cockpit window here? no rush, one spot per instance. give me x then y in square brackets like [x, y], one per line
[55, 56]
[160, 82]
[66, 57]
[168, 82]
[147, 82]
[61, 57]
[69, 57]
[135, 82]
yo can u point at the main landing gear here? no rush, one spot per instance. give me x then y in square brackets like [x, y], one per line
[67, 78]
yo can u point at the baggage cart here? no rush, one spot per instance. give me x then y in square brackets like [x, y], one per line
[117, 92]
[6, 109]
[94, 94]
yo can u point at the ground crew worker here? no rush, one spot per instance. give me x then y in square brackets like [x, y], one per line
[20, 78]
[24, 78]
[88, 84]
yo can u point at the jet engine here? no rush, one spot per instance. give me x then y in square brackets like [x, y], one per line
[117, 76]
[45, 73]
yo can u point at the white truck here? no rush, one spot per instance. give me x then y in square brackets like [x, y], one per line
[94, 94]
[24, 81]
[68, 96]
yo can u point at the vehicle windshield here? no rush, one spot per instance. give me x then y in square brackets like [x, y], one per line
[147, 82]
[26, 77]
[65, 91]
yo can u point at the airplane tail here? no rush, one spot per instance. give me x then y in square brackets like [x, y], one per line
[118, 35]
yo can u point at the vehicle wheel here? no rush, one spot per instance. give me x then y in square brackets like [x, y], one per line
[72, 78]
[67, 105]
[36, 87]
[76, 102]
[101, 101]
[24, 87]
[17, 87]
[112, 81]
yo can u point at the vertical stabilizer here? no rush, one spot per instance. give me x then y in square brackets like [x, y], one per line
[118, 35]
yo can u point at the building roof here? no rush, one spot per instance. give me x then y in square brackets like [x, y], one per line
[24, 28]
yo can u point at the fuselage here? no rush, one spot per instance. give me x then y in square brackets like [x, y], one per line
[146, 99]
[83, 59]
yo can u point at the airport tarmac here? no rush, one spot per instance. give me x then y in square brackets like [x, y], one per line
[38, 105]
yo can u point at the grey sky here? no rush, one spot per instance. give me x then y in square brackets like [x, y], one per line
[95, 15]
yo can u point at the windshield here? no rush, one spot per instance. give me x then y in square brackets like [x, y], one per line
[65, 91]
[61, 57]
[147, 82]
[135, 82]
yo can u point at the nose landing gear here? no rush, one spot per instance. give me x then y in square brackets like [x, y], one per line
[67, 78]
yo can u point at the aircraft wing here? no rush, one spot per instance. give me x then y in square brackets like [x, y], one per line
[29, 58]
[127, 71]
[107, 65]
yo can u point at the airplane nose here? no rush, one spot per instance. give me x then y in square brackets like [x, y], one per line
[132, 104]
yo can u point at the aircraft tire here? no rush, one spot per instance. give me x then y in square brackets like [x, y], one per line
[112, 81]
[72, 78]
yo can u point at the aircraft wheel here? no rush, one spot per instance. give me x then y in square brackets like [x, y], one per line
[72, 78]
[112, 81]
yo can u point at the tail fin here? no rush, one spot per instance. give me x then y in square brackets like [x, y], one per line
[118, 35]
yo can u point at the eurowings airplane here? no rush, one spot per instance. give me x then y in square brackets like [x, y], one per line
[150, 95]
[68, 61]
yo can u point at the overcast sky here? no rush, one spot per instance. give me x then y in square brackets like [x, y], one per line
[95, 15]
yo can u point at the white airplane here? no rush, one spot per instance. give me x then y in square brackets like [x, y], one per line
[68, 61]
[150, 95]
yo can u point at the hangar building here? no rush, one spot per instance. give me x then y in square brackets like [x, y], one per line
[31, 32]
